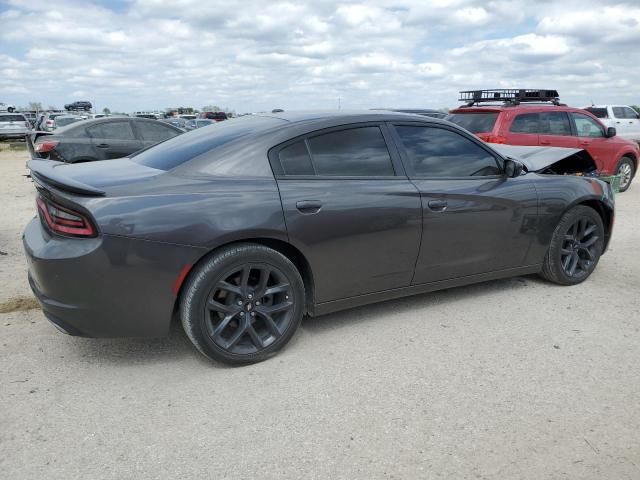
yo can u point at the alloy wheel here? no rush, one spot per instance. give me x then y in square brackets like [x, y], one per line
[249, 308]
[625, 171]
[579, 248]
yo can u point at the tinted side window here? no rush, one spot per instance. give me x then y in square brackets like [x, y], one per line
[436, 152]
[555, 123]
[525, 123]
[353, 152]
[118, 130]
[155, 132]
[618, 112]
[598, 112]
[586, 126]
[630, 113]
[295, 159]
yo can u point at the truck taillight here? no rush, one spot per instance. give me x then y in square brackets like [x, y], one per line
[45, 146]
[491, 138]
[64, 221]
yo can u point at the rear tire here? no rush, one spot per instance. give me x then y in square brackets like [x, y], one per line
[243, 304]
[576, 247]
[626, 169]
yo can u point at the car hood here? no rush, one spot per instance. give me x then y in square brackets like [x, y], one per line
[536, 159]
[91, 178]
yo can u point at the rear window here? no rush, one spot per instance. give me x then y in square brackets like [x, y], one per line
[475, 122]
[215, 115]
[598, 112]
[12, 118]
[185, 147]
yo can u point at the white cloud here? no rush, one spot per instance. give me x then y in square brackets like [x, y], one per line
[254, 55]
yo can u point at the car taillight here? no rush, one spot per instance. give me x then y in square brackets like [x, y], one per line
[50, 122]
[491, 138]
[45, 146]
[63, 220]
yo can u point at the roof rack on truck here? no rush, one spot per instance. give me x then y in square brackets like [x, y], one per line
[510, 96]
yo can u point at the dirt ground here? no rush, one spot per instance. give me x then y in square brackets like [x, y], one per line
[512, 379]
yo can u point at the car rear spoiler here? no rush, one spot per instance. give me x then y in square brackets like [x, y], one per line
[48, 172]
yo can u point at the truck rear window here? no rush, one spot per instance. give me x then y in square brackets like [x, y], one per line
[481, 122]
[598, 112]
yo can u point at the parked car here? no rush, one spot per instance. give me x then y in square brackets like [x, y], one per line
[532, 121]
[79, 105]
[215, 116]
[4, 107]
[64, 120]
[427, 112]
[176, 122]
[101, 139]
[98, 115]
[47, 121]
[244, 228]
[31, 117]
[623, 118]
[188, 117]
[198, 123]
[13, 125]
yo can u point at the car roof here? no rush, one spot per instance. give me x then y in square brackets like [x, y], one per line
[350, 116]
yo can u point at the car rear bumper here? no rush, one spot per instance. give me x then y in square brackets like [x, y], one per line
[106, 286]
[13, 133]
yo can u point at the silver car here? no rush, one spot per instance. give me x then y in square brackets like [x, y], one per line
[64, 120]
[13, 125]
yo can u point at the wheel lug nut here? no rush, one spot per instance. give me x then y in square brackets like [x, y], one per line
[258, 303]
[242, 314]
[250, 296]
[239, 302]
[253, 314]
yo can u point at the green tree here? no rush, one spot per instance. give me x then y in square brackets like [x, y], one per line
[106, 111]
[636, 108]
[37, 106]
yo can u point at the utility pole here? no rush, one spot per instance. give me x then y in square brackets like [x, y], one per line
[338, 103]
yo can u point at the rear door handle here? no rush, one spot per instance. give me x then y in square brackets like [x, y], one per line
[309, 206]
[437, 205]
[545, 142]
[103, 145]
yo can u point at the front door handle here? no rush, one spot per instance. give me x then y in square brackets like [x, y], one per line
[437, 205]
[545, 142]
[103, 145]
[309, 206]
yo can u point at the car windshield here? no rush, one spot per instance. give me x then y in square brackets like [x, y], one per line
[480, 122]
[12, 118]
[178, 150]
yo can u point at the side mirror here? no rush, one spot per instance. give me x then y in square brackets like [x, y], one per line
[513, 168]
[611, 132]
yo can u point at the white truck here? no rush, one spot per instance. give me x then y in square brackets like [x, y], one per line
[623, 118]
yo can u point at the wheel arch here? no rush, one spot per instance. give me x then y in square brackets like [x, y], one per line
[292, 253]
[634, 158]
[605, 211]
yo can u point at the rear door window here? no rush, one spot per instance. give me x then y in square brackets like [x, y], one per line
[598, 112]
[120, 130]
[525, 123]
[295, 159]
[619, 112]
[437, 152]
[555, 123]
[155, 132]
[354, 152]
[481, 122]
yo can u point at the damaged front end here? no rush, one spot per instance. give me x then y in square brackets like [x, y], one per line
[551, 160]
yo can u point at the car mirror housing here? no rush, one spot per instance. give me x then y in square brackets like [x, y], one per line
[611, 132]
[513, 168]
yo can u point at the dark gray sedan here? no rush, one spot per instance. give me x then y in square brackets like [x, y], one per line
[101, 139]
[244, 228]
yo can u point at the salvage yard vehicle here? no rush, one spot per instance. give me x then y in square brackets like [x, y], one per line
[244, 228]
[64, 120]
[13, 125]
[623, 118]
[535, 117]
[100, 139]
[79, 105]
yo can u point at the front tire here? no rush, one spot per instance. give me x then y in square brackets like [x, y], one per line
[626, 169]
[243, 304]
[576, 247]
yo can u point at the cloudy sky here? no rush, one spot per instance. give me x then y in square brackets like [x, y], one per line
[257, 55]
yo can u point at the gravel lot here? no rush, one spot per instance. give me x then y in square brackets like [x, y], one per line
[513, 379]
